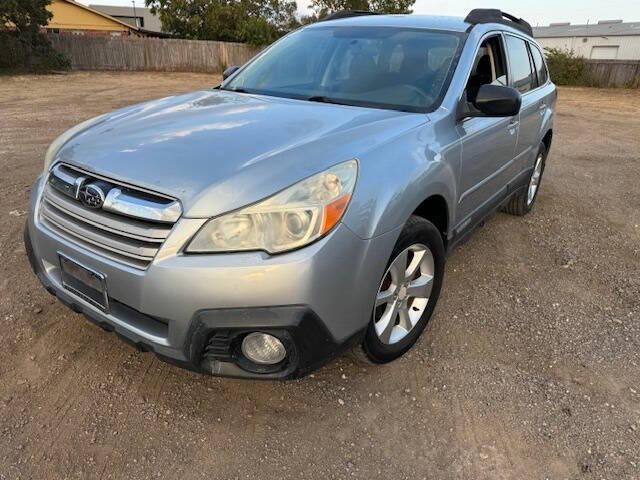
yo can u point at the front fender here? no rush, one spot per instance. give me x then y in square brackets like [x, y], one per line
[396, 179]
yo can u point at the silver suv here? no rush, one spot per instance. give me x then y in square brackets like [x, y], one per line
[305, 205]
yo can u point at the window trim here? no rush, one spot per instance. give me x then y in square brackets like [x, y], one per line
[532, 65]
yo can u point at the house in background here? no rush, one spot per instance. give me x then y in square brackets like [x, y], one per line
[605, 40]
[136, 16]
[74, 18]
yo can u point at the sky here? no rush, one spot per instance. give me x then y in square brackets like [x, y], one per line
[538, 12]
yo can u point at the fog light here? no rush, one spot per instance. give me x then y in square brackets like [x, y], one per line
[263, 349]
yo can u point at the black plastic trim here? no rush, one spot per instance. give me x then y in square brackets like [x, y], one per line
[347, 14]
[309, 344]
[480, 16]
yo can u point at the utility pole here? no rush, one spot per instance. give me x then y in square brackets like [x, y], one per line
[135, 15]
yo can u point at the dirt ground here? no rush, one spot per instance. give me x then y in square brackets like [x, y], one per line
[530, 368]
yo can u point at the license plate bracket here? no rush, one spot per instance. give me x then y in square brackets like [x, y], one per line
[84, 282]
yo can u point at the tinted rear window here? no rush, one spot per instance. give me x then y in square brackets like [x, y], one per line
[541, 70]
[522, 76]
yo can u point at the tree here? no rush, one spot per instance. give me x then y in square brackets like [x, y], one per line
[25, 16]
[258, 22]
[323, 8]
[22, 43]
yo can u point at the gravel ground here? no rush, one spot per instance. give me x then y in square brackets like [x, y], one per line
[529, 369]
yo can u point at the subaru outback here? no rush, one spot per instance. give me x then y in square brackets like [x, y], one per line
[306, 205]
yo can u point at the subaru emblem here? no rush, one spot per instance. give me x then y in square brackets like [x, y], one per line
[91, 196]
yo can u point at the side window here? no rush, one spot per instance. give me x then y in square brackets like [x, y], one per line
[489, 67]
[538, 62]
[523, 76]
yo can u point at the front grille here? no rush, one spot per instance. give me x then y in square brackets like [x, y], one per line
[129, 239]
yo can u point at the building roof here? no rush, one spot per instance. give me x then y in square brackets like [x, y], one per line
[600, 29]
[101, 14]
[151, 22]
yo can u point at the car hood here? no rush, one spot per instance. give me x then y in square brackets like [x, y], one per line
[216, 151]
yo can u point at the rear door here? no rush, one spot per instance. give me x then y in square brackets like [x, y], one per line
[524, 79]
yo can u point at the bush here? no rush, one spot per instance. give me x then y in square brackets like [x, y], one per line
[566, 68]
[12, 51]
[45, 59]
[23, 46]
[16, 54]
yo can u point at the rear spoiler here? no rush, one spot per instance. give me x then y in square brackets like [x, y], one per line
[480, 16]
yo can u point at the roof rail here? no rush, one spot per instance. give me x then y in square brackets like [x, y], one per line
[346, 14]
[492, 15]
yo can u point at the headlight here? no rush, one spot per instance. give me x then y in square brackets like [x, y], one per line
[59, 142]
[290, 219]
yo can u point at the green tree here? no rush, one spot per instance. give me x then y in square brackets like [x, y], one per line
[22, 44]
[325, 7]
[258, 22]
[25, 16]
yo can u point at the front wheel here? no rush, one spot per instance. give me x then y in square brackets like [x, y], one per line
[522, 203]
[408, 292]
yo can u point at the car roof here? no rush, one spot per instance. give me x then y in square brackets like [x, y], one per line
[430, 22]
[456, 24]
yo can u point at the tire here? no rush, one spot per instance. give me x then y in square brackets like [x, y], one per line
[520, 204]
[418, 239]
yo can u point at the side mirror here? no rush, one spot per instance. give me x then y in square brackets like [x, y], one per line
[492, 101]
[230, 71]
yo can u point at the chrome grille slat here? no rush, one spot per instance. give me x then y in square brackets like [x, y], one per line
[123, 238]
[130, 261]
[102, 239]
[106, 221]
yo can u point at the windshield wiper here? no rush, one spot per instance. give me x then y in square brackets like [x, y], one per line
[323, 99]
[236, 90]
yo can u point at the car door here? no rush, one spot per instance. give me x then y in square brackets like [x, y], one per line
[488, 144]
[524, 79]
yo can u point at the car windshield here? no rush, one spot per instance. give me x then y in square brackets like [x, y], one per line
[381, 67]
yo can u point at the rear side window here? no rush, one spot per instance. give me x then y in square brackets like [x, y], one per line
[538, 62]
[521, 73]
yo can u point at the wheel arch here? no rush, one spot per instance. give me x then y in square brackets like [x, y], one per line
[547, 139]
[435, 209]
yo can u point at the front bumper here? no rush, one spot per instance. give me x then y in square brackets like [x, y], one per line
[191, 310]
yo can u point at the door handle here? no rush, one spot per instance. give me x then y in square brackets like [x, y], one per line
[542, 107]
[513, 124]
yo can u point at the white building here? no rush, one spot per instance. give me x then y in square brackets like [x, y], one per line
[136, 16]
[605, 40]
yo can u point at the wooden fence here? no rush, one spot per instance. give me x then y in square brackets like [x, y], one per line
[150, 54]
[614, 73]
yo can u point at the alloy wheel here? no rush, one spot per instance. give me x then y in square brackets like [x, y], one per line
[535, 180]
[404, 293]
